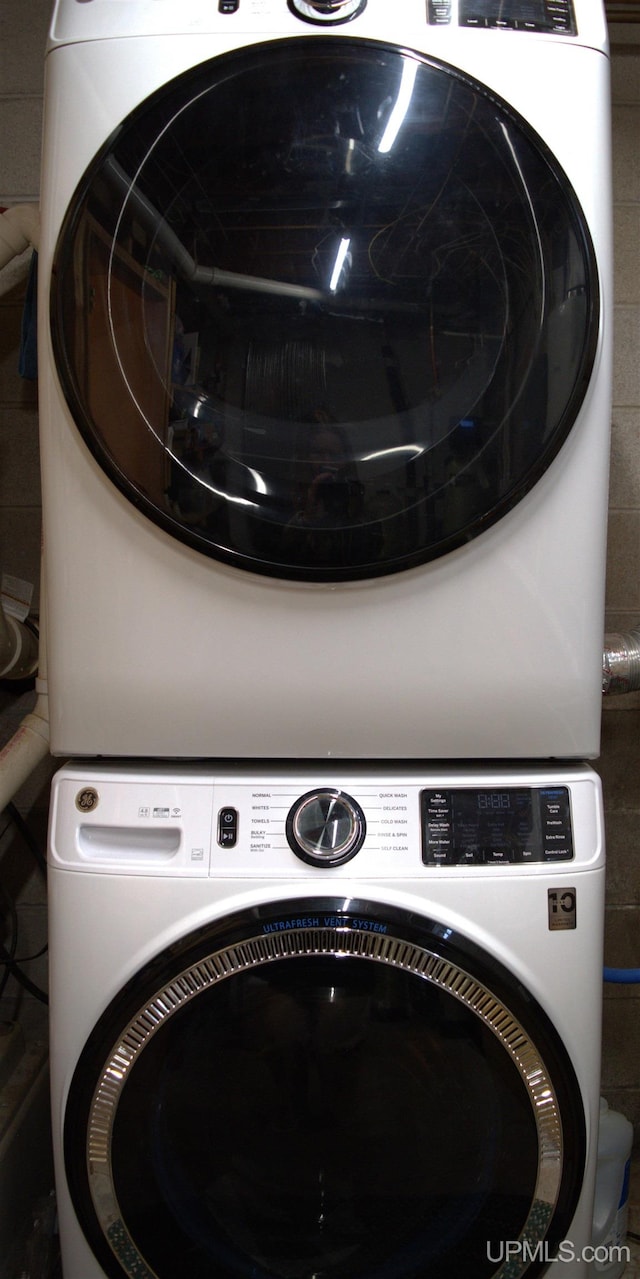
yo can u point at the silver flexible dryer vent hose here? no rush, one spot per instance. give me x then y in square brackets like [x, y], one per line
[621, 663]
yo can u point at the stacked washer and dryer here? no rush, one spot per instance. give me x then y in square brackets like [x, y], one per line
[325, 384]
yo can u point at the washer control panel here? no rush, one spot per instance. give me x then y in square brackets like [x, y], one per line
[326, 821]
[405, 24]
[496, 826]
[555, 16]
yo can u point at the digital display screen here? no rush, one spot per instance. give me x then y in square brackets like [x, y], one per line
[491, 821]
[525, 10]
[492, 801]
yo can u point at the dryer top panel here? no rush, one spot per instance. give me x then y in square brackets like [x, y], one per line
[441, 25]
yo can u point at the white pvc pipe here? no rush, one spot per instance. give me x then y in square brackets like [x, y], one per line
[28, 746]
[18, 648]
[30, 743]
[6, 641]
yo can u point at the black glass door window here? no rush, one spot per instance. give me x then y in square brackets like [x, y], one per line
[329, 1092]
[324, 309]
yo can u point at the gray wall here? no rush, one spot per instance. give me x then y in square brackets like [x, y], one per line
[22, 29]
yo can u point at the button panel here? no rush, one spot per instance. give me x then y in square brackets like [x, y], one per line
[228, 827]
[439, 13]
[391, 828]
[496, 826]
[556, 16]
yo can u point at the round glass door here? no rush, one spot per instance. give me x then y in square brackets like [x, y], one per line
[324, 309]
[319, 1090]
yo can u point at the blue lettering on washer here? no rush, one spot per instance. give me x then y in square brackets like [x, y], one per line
[365, 925]
[283, 925]
[329, 921]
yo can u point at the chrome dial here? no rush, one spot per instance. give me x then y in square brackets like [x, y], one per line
[325, 827]
[327, 11]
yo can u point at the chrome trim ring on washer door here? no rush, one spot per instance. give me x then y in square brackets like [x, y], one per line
[349, 940]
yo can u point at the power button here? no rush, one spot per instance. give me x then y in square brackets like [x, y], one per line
[228, 827]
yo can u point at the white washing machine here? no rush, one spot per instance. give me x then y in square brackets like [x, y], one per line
[325, 1022]
[325, 377]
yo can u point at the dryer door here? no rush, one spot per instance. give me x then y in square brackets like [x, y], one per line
[325, 309]
[324, 1088]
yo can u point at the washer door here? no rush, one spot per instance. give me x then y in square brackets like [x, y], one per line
[324, 1089]
[325, 309]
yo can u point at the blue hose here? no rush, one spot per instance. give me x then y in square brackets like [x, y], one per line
[622, 976]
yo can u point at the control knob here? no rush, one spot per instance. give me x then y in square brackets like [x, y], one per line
[325, 827]
[327, 11]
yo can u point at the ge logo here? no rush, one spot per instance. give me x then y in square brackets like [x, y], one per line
[87, 799]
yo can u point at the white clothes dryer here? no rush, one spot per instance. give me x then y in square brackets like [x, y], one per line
[325, 1022]
[325, 377]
